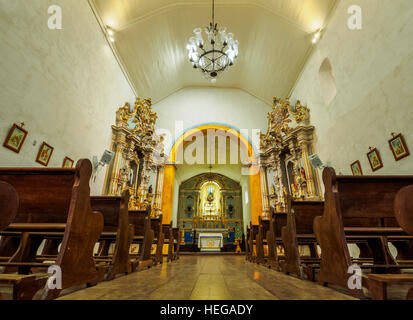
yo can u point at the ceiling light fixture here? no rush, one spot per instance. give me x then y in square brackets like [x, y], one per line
[317, 36]
[110, 31]
[213, 56]
[110, 34]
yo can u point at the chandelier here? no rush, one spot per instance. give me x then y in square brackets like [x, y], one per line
[214, 55]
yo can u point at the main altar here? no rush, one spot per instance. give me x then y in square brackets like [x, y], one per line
[211, 240]
[210, 213]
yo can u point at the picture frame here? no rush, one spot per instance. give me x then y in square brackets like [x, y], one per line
[374, 159]
[356, 168]
[398, 147]
[16, 137]
[68, 163]
[45, 153]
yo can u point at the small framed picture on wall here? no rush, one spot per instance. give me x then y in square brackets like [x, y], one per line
[45, 153]
[356, 168]
[68, 163]
[374, 159]
[15, 138]
[398, 147]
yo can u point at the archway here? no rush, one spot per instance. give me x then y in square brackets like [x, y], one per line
[249, 167]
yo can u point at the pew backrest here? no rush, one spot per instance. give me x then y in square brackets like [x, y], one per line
[304, 212]
[366, 201]
[278, 221]
[403, 208]
[139, 219]
[44, 193]
[110, 209]
[9, 204]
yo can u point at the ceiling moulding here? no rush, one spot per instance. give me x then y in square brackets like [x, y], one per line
[239, 4]
[113, 48]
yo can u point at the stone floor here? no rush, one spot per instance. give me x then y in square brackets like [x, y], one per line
[207, 278]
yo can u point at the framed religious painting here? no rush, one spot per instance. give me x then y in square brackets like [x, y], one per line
[374, 159]
[15, 138]
[68, 163]
[45, 153]
[398, 147]
[356, 168]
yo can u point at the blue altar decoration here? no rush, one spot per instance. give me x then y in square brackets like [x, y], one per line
[188, 237]
[231, 237]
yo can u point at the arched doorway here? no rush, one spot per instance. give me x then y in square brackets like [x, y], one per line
[210, 202]
[246, 162]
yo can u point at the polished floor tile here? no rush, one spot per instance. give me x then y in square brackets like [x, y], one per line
[207, 278]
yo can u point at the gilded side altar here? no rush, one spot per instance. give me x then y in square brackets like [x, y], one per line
[139, 157]
[284, 151]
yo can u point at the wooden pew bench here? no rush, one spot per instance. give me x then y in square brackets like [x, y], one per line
[55, 203]
[253, 231]
[261, 240]
[167, 230]
[116, 229]
[177, 238]
[156, 225]
[299, 232]
[358, 209]
[274, 240]
[247, 246]
[403, 211]
[144, 236]
[24, 286]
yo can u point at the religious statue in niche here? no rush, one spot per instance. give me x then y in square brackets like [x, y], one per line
[130, 176]
[210, 197]
[301, 182]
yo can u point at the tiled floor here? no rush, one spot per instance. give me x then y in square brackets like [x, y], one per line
[208, 278]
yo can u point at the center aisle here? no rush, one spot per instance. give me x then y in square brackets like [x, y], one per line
[226, 277]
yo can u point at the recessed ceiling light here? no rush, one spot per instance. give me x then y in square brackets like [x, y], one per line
[110, 31]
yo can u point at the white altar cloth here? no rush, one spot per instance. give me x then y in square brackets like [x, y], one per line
[210, 242]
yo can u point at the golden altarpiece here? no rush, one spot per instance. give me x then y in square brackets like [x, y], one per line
[284, 151]
[138, 164]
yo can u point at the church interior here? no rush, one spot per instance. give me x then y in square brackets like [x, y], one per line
[206, 150]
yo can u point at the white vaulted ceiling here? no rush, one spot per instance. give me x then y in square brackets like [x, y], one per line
[275, 41]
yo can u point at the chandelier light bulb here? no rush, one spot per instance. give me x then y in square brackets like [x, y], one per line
[212, 49]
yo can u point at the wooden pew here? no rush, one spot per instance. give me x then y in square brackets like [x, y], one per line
[169, 239]
[156, 224]
[366, 206]
[247, 245]
[143, 235]
[277, 222]
[403, 211]
[252, 242]
[177, 242]
[24, 286]
[261, 240]
[299, 231]
[116, 229]
[55, 202]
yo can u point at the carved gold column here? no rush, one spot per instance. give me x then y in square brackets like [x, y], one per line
[278, 179]
[115, 178]
[264, 191]
[305, 138]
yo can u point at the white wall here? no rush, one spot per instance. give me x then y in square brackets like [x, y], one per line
[65, 85]
[373, 69]
[204, 105]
